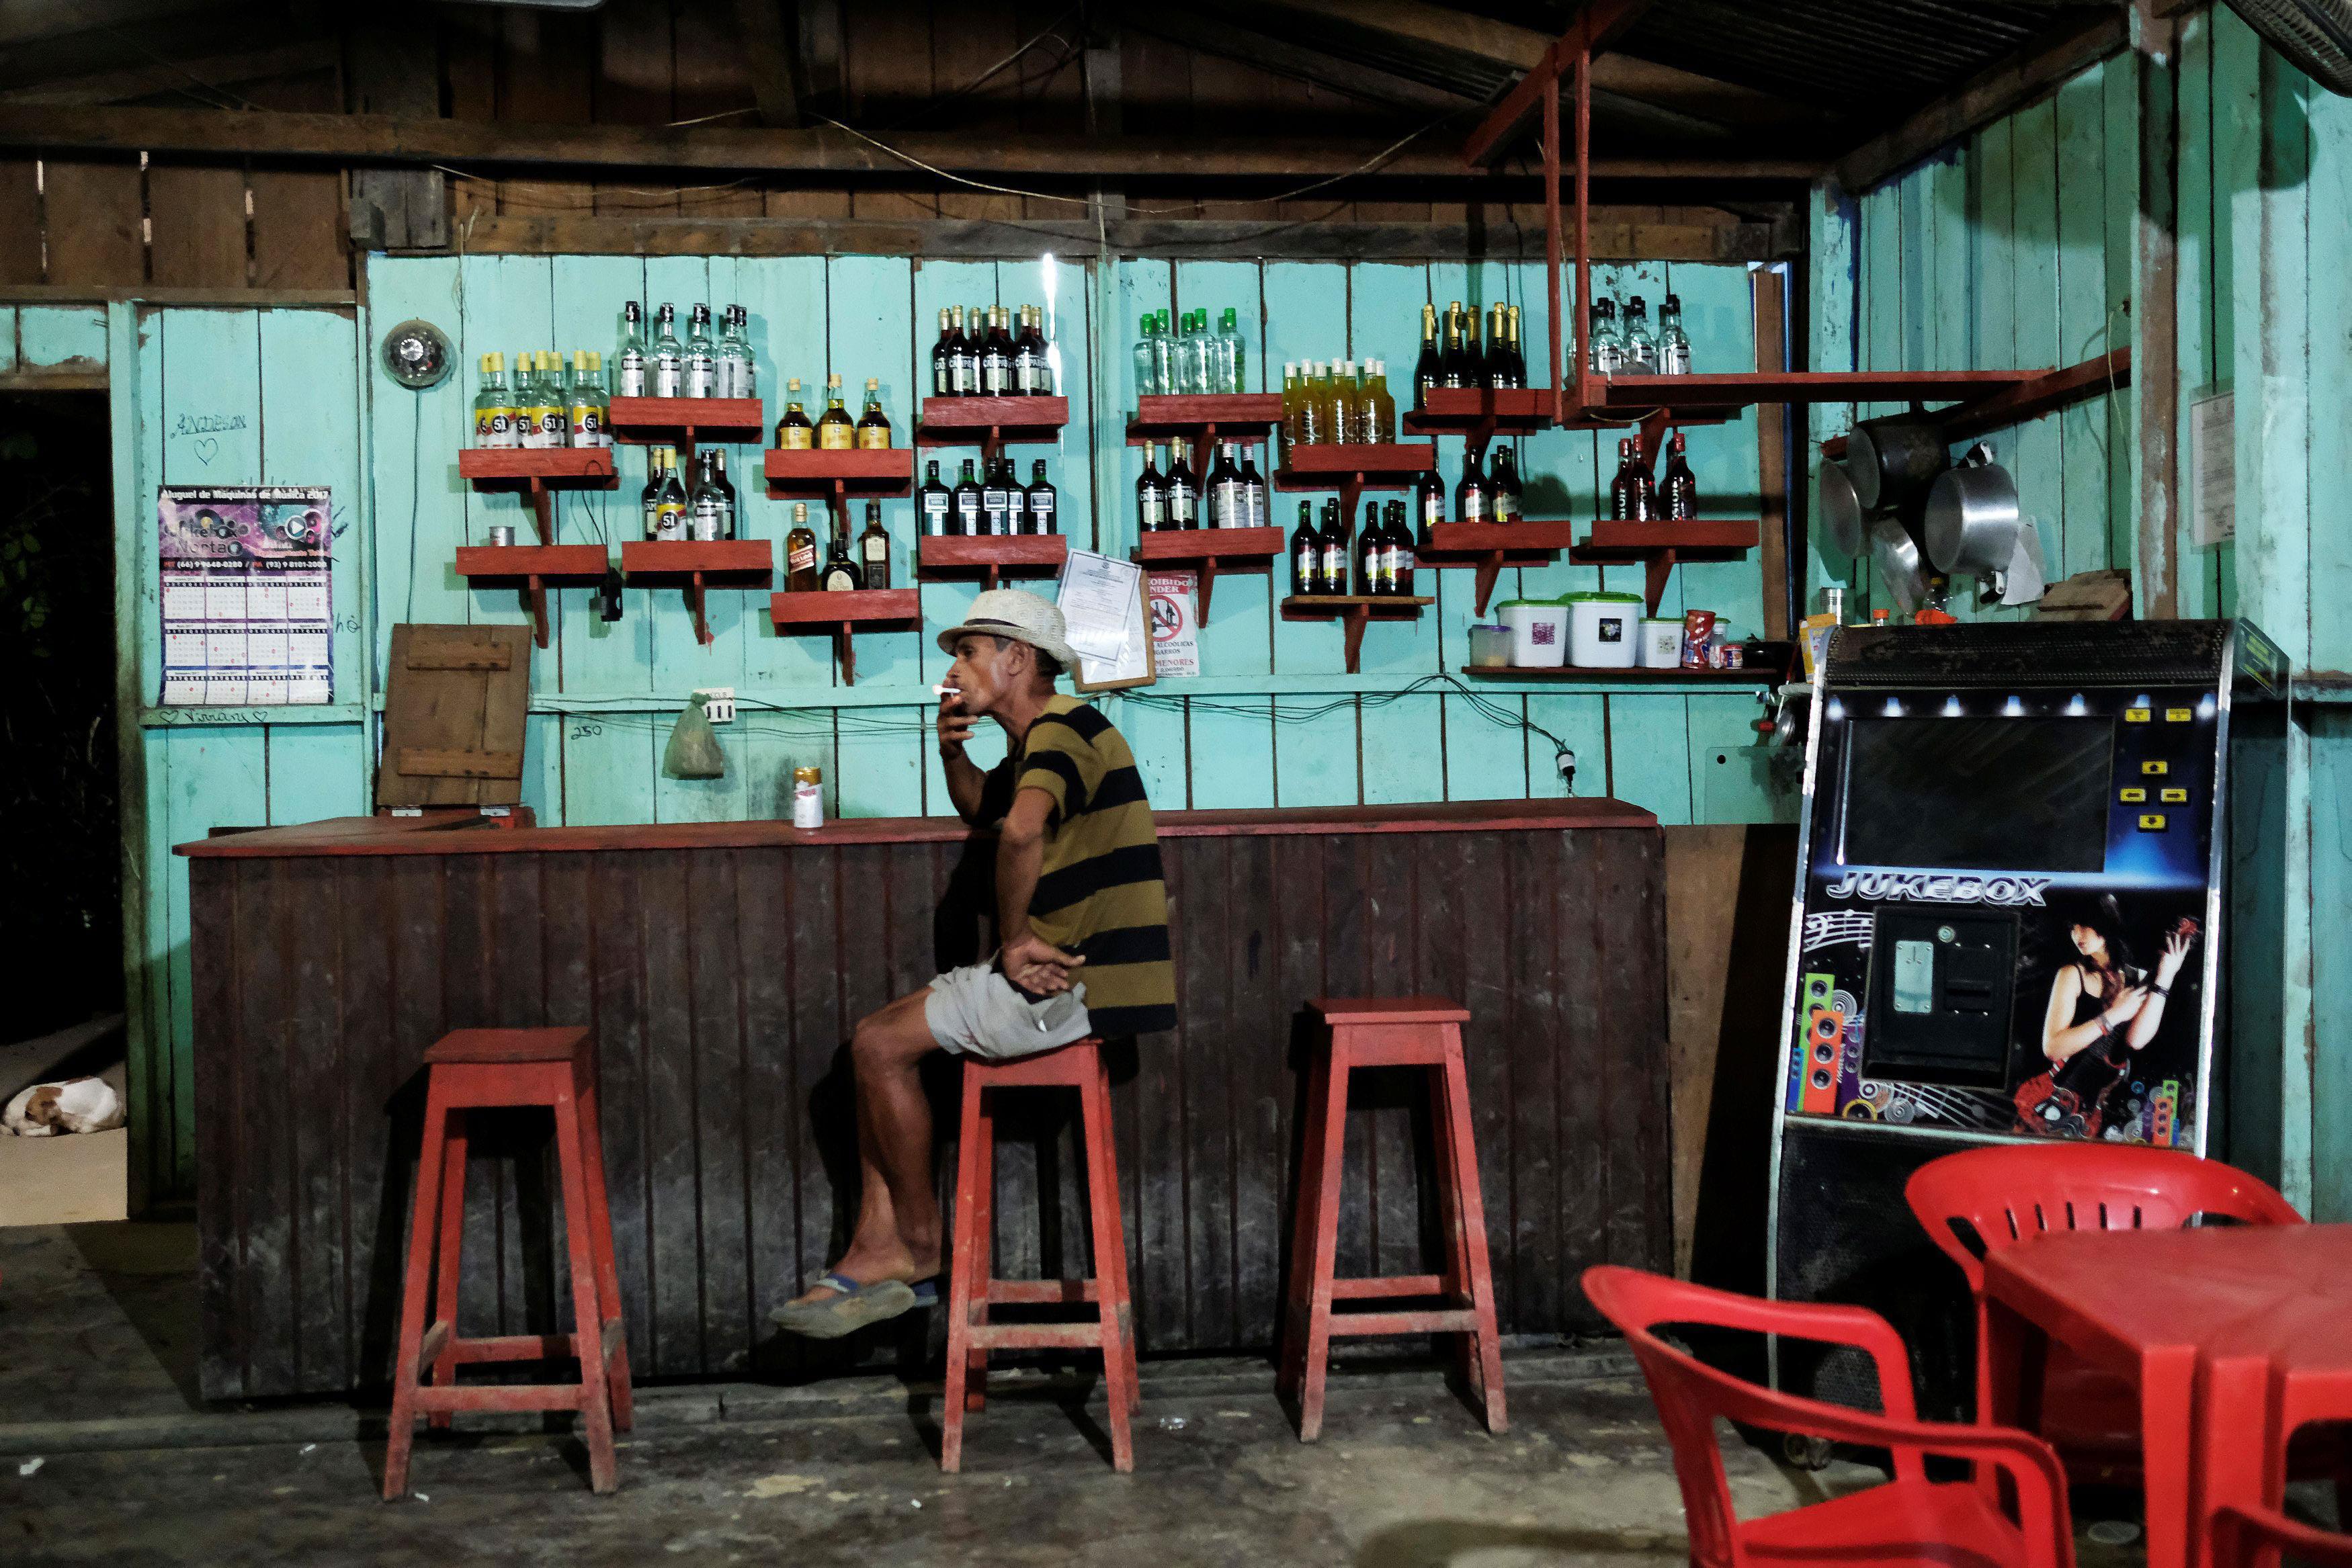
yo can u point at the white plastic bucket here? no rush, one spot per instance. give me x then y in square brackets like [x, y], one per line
[1538, 632]
[1604, 630]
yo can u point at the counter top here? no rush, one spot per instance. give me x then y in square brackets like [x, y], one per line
[466, 835]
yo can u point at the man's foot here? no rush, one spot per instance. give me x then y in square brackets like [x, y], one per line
[864, 1267]
[848, 1306]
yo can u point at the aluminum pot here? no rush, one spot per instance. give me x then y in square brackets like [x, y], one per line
[1842, 514]
[1900, 567]
[1973, 517]
[1893, 459]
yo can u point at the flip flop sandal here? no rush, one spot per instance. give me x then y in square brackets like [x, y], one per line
[855, 1307]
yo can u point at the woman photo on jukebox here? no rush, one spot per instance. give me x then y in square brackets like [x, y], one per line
[2101, 1009]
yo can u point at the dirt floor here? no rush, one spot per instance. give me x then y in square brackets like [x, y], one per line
[104, 1458]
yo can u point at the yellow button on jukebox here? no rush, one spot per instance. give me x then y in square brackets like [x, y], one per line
[2138, 715]
[2178, 715]
[2151, 821]
[2156, 770]
[2173, 797]
[2134, 797]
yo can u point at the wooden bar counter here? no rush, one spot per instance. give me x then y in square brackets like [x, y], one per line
[722, 967]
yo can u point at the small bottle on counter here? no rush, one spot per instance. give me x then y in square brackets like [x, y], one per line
[808, 798]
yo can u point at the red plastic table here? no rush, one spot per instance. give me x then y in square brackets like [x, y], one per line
[2252, 1302]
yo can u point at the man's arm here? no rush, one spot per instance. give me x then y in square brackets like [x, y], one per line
[966, 782]
[1030, 962]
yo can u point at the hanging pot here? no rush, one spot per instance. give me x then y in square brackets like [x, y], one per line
[1973, 517]
[1842, 514]
[1893, 459]
[1900, 567]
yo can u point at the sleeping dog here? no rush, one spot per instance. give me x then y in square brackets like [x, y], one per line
[74, 1105]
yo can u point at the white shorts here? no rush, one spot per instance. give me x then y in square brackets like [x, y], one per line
[975, 1012]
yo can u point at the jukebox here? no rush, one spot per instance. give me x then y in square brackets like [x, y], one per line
[2011, 923]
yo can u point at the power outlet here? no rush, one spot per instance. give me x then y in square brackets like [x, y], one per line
[718, 704]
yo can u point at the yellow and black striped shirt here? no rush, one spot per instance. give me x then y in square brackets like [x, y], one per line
[1101, 893]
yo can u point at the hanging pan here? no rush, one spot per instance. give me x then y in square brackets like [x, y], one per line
[1900, 566]
[1973, 517]
[1840, 508]
[1893, 459]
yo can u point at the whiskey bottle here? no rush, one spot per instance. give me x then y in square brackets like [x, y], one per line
[873, 549]
[835, 433]
[1254, 506]
[650, 500]
[873, 425]
[841, 575]
[800, 553]
[794, 431]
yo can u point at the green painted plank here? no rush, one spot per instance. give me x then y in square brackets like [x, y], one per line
[2330, 355]
[1384, 322]
[211, 388]
[1315, 753]
[60, 338]
[1238, 639]
[1732, 773]
[137, 490]
[543, 767]
[2003, 258]
[1649, 757]
[2120, 419]
[880, 753]
[2083, 321]
[584, 298]
[1830, 287]
[1576, 723]
[873, 332]
[789, 342]
[1154, 728]
[609, 765]
[940, 284]
[318, 771]
[2331, 889]
[1914, 245]
[2195, 267]
[1306, 319]
[1951, 284]
[417, 501]
[1485, 760]
[1232, 753]
[1400, 763]
[309, 435]
[213, 779]
[1719, 312]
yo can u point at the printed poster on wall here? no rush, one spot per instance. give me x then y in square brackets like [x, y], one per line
[247, 608]
[1175, 623]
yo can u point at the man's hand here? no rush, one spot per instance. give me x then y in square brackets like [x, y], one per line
[954, 726]
[1035, 965]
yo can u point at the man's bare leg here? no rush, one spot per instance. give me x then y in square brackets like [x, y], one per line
[898, 1232]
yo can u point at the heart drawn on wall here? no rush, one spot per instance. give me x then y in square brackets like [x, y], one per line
[206, 445]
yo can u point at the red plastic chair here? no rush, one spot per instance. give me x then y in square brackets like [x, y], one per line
[1910, 1520]
[2013, 1192]
[2253, 1538]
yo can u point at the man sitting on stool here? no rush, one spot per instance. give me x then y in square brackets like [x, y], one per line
[1078, 893]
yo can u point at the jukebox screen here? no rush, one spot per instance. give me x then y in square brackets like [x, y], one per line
[1973, 794]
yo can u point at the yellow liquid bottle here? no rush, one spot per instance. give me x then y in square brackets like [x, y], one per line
[834, 430]
[794, 432]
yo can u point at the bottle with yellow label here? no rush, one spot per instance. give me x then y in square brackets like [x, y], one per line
[494, 409]
[874, 425]
[834, 431]
[794, 432]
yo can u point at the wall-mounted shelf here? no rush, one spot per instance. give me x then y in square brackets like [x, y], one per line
[1740, 389]
[1661, 546]
[991, 424]
[1478, 415]
[1210, 551]
[1488, 547]
[534, 568]
[538, 472]
[698, 565]
[1246, 417]
[1753, 679]
[844, 613]
[1354, 611]
[1351, 470]
[676, 421]
[836, 474]
[994, 556]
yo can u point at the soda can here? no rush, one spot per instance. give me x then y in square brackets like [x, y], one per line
[1698, 638]
[503, 533]
[808, 798]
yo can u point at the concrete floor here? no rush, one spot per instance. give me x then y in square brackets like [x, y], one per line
[96, 1326]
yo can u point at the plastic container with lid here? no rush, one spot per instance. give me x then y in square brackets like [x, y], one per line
[1604, 630]
[1661, 643]
[1490, 647]
[1538, 632]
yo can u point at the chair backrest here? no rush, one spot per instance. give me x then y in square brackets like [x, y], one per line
[2011, 1193]
[2256, 1538]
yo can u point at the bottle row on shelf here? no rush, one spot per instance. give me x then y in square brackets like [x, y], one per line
[1376, 563]
[1336, 403]
[991, 505]
[834, 430]
[703, 512]
[1636, 496]
[993, 352]
[551, 404]
[1455, 358]
[1634, 350]
[1192, 361]
[698, 367]
[848, 568]
[1231, 494]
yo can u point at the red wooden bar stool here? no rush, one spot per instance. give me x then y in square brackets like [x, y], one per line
[1389, 1031]
[973, 1287]
[504, 1069]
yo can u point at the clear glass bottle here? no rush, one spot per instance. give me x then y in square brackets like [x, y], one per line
[1603, 347]
[1180, 358]
[1384, 415]
[1641, 347]
[602, 393]
[1673, 344]
[1147, 360]
[873, 549]
[1347, 404]
[873, 424]
[669, 355]
[834, 430]
[630, 380]
[794, 431]
[1163, 354]
[1232, 355]
[584, 411]
[705, 515]
[734, 356]
[701, 355]
[553, 402]
[494, 413]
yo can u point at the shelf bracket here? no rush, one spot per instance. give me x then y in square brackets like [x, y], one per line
[694, 602]
[1208, 582]
[845, 650]
[1490, 567]
[1655, 572]
[534, 599]
[541, 501]
[1354, 621]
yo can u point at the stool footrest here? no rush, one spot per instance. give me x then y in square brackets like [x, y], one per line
[1388, 1285]
[517, 1347]
[1446, 1321]
[1042, 1292]
[1035, 1336]
[507, 1397]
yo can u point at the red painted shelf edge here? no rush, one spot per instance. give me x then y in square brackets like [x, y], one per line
[867, 604]
[517, 562]
[682, 413]
[1338, 458]
[856, 465]
[1206, 544]
[1509, 538]
[719, 558]
[1000, 549]
[479, 463]
[1611, 534]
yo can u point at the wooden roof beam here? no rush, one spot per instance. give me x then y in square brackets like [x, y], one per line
[770, 53]
[1212, 36]
[1595, 25]
[190, 75]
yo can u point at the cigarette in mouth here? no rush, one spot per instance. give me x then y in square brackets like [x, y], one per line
[947, 691]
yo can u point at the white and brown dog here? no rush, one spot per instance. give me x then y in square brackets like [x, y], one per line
[73, 1106]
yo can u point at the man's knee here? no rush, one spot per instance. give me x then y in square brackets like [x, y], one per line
[891, 1038]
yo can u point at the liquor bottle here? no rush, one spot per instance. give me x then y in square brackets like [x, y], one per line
[603, 399]
[835, 432]
[1641, 347]
[994, 504]
[1519, 370]
[840, 574]
[1603, 347]
[1031, 377]
[650, 500]
[1372, 549]
[1673, 344]
[668, 356]
[1232, 355]
[494, 411]
[873, 425]
[794, 432]
[718, 482]
[1339, 548]
[671, 509]
[1228, 506]
[937, 503]
[1163, 354]
[586, 413]
[701, 359]
[1347, 404]
[1016, 499]
[1204, 355]
[1291, 399]
[1678, 487]
[1645, 489]
[1398, 567]
[1472, 500]
[873, 549]
[1044, 502]
[707, 517]
[1147, 360]
[945, 382]
[526, 399]
[1428, 368]
[1498, 348]
[1306, 554]
[975, 339]
[736, 376]
[1428, 502]
[1151, 493]
[996, 357]
[964, 355]
[967, 504]
[1453, 360]
[631, 370]
[800, 553]
[1503, 494]
[1255, 513]
[1183, 488]
[549, 412]
[1621, 487]
[1314, 406]
[1381, 419]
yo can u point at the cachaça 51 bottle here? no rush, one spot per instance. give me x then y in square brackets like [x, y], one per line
[587, 403]
[545, 425]
[794, 431]
[629, 380]
[873, 549]
[494, 407]
[665, 499]
[669, 357]
[800, 553]
[835, 432]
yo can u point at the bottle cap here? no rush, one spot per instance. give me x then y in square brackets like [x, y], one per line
[799, 511]
[595, 359]
[1146, 325]
[833, 382]
[1347, 367]
[1673, 302]
[1289, 368]
[1635, 303]
[792, 385]
[874, 383]
[489, 363]
[1229, 319]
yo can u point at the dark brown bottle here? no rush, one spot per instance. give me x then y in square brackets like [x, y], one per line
[1306, 554]
[1621, 488]
[1151, 493]
[1371, 553]
[1428, 502]
[1678, 488]
[1336, 548]
[1502, 487]
[1398, 567]
[873, 549]
[1473, 501]
[1645, 489]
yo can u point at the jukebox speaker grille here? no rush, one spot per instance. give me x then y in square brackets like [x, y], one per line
[2030, 652]
[1844, 1234]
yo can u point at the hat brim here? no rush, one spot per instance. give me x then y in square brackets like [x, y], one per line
[1059, 651]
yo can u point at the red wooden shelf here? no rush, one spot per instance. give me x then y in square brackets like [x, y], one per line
[1351, 470]
[1661, 546]
[1759, 677]
[1489, 546]
[534, 568]
[1480, 414]
[536, 472]
[1245, 417]
[1732, 390]
[1354, 611]
[643, 421]
[1210, 551]
[995, 556]
[991, 423]
[837, 475]
[842, 614]
[699, 564]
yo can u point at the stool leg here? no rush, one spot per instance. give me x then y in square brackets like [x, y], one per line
[587, 1325]
[981, 1257]
[970, 1131]
[452, 1243]
[1453, 1278]
[608, 1274]
[1334, 1130]
[425, 1214]
[1474, 1228]
[1298, 1289]
[1118, 1261]
[1109, 1249]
